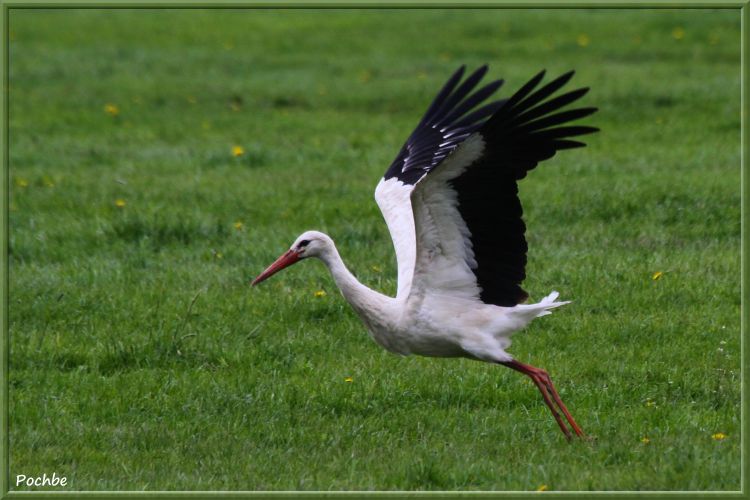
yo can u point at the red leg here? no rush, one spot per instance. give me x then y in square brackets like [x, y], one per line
[548, 401]
[544, 383]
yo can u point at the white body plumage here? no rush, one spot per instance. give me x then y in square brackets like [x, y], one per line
[450, 201]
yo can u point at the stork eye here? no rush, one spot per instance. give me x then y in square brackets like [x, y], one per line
[304, 243]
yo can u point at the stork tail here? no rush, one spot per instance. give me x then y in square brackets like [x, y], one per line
[541, 308]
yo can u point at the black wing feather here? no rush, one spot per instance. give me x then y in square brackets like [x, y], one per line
[449, 120]
[443, 94]
[451, 103]
[470, 103]
[523, 132]
[480, 114]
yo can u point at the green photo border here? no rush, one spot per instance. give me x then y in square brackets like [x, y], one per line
[7, 5]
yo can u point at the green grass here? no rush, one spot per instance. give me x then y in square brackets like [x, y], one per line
[141, 359]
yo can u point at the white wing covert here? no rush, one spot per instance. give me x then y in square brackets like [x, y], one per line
[394, 199]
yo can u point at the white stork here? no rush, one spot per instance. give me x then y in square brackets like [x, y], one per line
[450, 199]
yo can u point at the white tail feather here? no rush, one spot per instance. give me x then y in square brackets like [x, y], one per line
[548, 303]
[542, 308]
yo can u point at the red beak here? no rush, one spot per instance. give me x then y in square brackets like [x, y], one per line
[286, 260]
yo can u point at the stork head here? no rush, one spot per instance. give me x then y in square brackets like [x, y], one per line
[308, 244]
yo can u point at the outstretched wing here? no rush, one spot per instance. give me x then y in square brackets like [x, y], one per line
[455, 113]
[467, 230]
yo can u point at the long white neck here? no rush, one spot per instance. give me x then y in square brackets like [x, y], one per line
[365, 301]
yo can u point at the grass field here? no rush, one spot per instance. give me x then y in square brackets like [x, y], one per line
[141, 359]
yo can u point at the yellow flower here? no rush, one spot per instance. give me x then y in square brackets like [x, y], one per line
[377, 269]
[320, 293]
[542, 487]
[583, 40]
[678, 33]
[349, 379]
[650, 403]
[719, 436]
[657, 275]
[119, 203]
[238, 151]
[238, 225]
[21, 182]
[645, 440]
[111, 109]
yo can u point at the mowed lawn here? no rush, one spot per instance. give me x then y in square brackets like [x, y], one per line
[159, 160]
